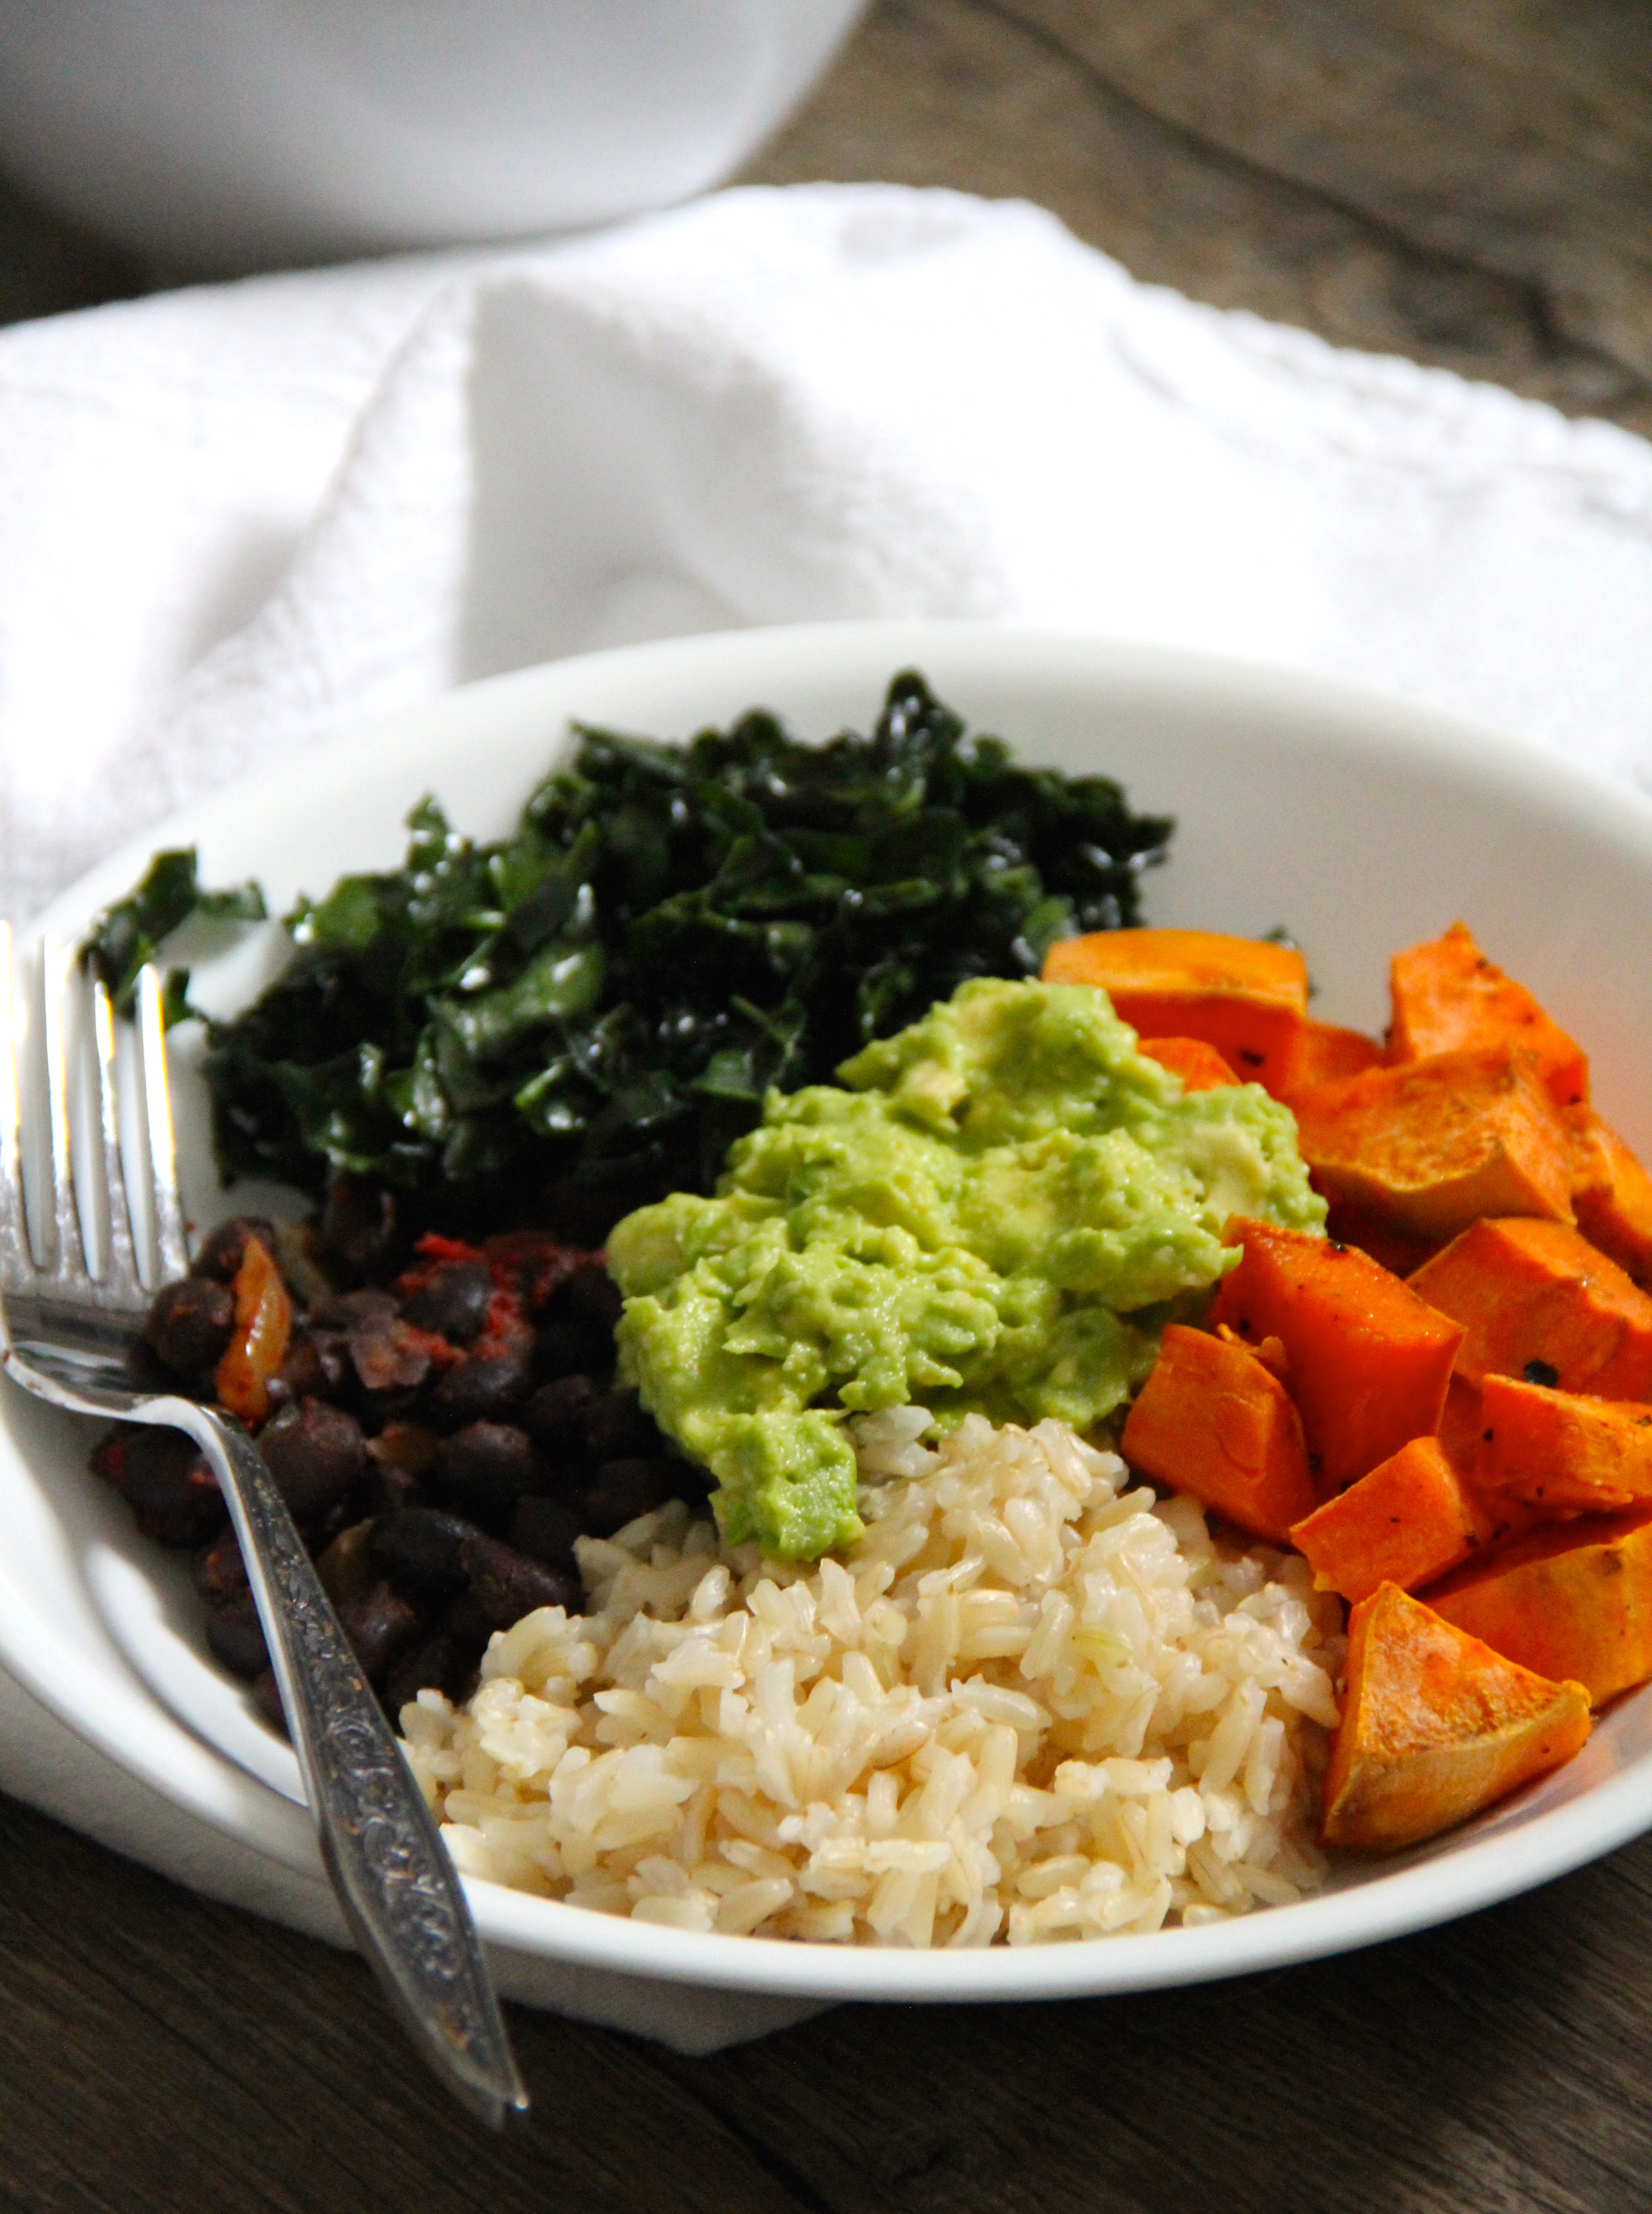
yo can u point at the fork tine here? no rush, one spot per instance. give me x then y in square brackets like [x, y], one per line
[67, 1261]
[120, 1275]
[16, 1261]
[172, 1250]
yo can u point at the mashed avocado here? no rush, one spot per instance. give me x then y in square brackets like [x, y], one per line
[999, 1211]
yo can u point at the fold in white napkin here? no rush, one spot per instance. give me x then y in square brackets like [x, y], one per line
[236, 520]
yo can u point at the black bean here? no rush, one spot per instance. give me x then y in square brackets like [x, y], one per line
[468, 1620]
[627, 1488]
[379, 1410]
[453, 1300]
[397, 1458]
[266, 1697]
[387, 1355]
[342, 1515]
[591, 1295]
[346, 1565]
[389, 1489]
[568, 1348]
[483, 1387]
[443, 1663]
[381, 1626]
[419, 1549]
[507, 1585]
[190, 1323]
[358, 1230]
[536, 1264]
[408, 1446]
[349, 1308]
[545, 1529]
[484, 1469]
[149, 1372]
[108, 1455]
[556, 1413]
[236, 1635]
[317, 1366]
[166, 1481]
[219, 1570]
[616, 1427]
[316, 1453]
[221, 1256]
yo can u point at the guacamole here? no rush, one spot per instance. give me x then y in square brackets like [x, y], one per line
[999, 1210]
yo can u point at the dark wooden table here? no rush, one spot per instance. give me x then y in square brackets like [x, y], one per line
[1468, 181]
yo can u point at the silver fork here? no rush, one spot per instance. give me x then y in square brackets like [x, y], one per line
[65, 1335]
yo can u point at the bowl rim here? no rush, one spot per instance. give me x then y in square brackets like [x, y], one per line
[124, 1721]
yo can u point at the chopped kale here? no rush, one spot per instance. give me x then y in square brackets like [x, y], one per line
[598, 1004]
[127, 935]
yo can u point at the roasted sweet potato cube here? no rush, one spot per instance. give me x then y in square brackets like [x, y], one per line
[1199, 1066]
[1369, 1360]
[1562, 1452]
[1436, 1726]
[1537, 1296]
[1611, 1195]
[1213, 1421]
[1407, 1522]
[1432, 1144]
[1399, 1252]
[1569, 1600]
[1458, 1427]
[1447, 995]
[1459, 1432]
[1323, 1055]
[1245, 996]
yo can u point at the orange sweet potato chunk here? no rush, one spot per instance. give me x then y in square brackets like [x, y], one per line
[1213, 1421]
[1399, 1252]
[1406, 1523]
[1528, 1292]
[1244, 996]
[1458, 1427]
[1199, 1066]
[1569, 1600]
[1436, 1726]
[1460, 1430]
[1447, 995]
[1433, 1145]
[1325, 1054]
[1562, 1453]
[1611, 1195]
[1369, 1360]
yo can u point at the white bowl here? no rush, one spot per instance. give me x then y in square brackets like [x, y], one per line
[224, 135]
[1361, 823]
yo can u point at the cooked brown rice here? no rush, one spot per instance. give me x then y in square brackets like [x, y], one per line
[1030, 1704]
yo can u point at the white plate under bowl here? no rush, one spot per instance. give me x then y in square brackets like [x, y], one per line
[1361, 824]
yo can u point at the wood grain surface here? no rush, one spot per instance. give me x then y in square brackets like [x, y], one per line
[1466, 181]
[158, 2051]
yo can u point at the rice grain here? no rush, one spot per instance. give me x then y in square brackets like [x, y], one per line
[1033, 1705]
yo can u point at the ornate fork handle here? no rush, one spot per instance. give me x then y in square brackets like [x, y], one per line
[66, 1336]
[392, 1873]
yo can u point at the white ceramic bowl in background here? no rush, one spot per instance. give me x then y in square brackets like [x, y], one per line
[226, 135]
[1361, 824]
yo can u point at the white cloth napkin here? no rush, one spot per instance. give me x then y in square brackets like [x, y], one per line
[236, 520]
